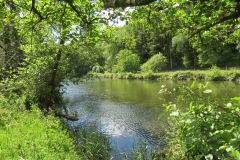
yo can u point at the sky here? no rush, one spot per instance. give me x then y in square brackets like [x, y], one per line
[117, 22]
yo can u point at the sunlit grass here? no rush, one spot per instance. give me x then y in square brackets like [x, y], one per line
[32, 135]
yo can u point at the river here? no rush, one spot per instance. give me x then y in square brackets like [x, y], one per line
[129, 111]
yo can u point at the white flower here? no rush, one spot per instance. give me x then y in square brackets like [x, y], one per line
[229, 104]
[160, 91]
[176, 5]
[209, 157]
[162, 86]
[212, 126]
[207, 91]
[229, 149]
[175, 114]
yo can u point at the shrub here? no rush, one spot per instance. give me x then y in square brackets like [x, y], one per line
[156, 63]
[127, 61]
[205, 129]
[97, 68]
[182, 76]
[216, 74]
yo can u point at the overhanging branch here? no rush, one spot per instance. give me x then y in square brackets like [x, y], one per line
[70, 3]
[232, 16]
[34, 9]
[125, 3]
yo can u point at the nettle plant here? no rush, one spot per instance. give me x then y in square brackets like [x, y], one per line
[201, 127]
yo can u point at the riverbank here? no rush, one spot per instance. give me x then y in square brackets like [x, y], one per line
[29, 134]
[199, 75]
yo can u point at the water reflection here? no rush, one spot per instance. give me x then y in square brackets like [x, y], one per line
[128, 111]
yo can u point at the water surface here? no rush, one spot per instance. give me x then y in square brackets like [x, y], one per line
[129, 111]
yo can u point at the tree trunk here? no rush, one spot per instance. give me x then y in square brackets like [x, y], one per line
[171, 61]
[53, 81]
[194, 60]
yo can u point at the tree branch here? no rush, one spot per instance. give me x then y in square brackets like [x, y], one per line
[125, 3]
[1, 46]
[70, 3]
[233, 16]
[34, 9]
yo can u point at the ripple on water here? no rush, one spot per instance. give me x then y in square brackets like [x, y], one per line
[127, 111]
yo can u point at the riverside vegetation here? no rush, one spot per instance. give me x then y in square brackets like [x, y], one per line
[199, 126]
[205, 129]
[44, 43]
[215, 74]
[29, 134]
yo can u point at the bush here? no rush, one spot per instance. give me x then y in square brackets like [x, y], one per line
[205, 129]
[182, 76]
[97, 68]
[216, 74]
[127, 61]
[156, 63]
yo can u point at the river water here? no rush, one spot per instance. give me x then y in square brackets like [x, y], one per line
[129, 111]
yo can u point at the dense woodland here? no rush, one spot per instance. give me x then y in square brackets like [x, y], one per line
[187, 33]
[46, 42]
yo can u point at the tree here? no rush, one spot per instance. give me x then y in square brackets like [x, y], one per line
[181, 45]
[12, 56]
[38, 26]
[127, 61]
[156, 63]
[45, 29]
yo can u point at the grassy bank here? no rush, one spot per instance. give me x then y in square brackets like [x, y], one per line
[199, 75]
[31, 135]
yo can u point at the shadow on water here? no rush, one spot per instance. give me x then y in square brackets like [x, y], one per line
[129, 111]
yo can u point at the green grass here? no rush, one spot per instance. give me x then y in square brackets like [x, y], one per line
[32, 135]
[199, 75]
[92, 144]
